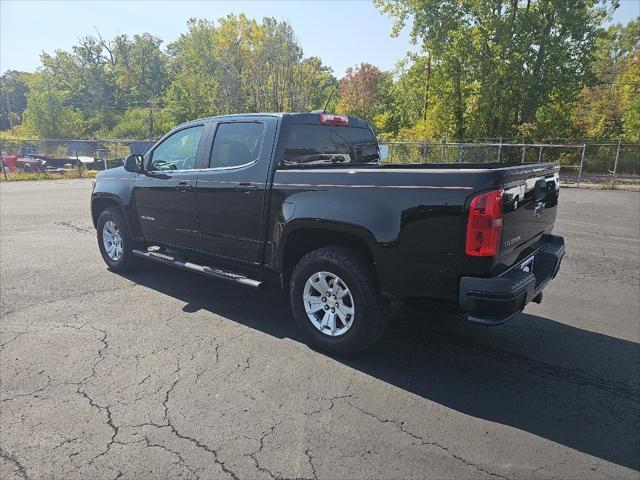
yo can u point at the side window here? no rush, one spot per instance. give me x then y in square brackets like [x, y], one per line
[236, 144]
[318, 144]
[178, 152]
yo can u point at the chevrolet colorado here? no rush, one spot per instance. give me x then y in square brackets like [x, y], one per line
[304, 199]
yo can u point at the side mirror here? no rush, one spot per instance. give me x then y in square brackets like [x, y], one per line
[133, 163]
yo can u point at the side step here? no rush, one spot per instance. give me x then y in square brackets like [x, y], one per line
[194, 267]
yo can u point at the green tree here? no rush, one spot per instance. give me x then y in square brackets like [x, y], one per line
[72, 92]
[609, 104]
[134, 123]
[49, 114]
[531, 69]
[194, 90]
[13, 98]
[500, 61]
[630, 85]
[241, 65]
[314, 85]
[142, 76]
[85, 91]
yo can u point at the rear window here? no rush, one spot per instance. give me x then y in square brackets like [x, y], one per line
[323, 145]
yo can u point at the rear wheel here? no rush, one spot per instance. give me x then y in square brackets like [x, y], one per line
[115, 241]
[336, 302]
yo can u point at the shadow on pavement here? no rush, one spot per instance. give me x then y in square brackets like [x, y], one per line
[574, 387]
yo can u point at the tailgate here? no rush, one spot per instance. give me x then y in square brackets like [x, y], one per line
[530, 204]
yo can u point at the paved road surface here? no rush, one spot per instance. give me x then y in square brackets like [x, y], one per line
[166, 374]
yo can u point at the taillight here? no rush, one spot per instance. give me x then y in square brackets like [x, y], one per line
[335, 120]
[484, 227]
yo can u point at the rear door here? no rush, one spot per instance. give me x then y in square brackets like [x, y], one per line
[232, 188]
[165, 194]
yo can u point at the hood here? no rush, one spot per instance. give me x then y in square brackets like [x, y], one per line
[118, 172]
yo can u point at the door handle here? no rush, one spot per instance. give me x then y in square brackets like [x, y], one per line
[246, 187]
[184, 187]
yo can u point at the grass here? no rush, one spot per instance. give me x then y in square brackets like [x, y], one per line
[71, 174]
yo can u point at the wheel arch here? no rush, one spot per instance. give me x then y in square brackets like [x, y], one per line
[99, 205]
[305, 237]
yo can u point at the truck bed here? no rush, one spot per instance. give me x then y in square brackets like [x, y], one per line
[420, 219]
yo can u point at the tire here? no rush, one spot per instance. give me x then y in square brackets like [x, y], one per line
[349, 269]
[125, 261]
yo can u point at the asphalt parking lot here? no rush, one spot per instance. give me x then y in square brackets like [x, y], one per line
[166, 374]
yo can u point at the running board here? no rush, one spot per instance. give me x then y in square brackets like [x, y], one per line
[203, 269]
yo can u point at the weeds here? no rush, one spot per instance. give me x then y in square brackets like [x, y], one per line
[68, 175]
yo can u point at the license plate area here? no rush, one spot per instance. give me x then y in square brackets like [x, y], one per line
[527, 265]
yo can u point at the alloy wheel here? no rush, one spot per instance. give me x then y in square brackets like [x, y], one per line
[112, 241]
[329, 303]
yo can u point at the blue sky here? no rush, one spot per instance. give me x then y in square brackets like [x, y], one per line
[342, 33]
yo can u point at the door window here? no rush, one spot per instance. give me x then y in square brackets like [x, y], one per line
[178, 152]
[236, 144]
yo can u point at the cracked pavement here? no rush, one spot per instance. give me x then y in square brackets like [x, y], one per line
[167, 374]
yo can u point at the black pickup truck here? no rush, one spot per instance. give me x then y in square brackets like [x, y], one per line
[303, 199]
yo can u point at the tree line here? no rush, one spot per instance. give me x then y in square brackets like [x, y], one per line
[532, 70]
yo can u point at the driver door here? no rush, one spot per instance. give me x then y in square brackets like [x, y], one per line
[165, 193]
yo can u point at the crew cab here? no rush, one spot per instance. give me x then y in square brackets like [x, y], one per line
[303, 199]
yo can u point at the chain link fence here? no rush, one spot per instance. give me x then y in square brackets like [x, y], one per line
[597, 163]
[600, 163]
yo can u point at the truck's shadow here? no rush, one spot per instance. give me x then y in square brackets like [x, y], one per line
[578, 388]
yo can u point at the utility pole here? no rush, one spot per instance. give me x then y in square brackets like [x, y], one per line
[52, 117]
[78, 163]
[4, 169]
[150, 121]
[106, 164]
[426, 88]
[9, 113]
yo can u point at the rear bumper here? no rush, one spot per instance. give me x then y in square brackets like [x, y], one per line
[492, 301]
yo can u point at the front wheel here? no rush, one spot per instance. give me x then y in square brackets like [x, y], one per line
[115, 241]
[336, 302]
